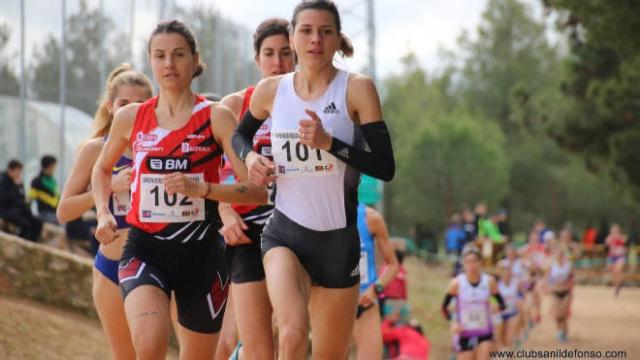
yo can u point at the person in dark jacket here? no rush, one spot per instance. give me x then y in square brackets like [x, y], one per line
[13, 205]
[45, 191]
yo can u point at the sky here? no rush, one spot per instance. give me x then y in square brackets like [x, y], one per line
[420, 26]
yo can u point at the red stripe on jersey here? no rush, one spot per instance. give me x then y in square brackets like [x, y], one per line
[194, 140]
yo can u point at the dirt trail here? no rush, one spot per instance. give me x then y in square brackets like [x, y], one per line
[599, 321]
[29, 330]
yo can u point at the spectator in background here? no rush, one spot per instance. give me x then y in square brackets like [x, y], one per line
[492, 240]
[480, 214]
[13, 205]
[45, 191]
[405, 341]
[468, 226]
[455, 239]
[502, 218]
[589, 240]
[455, 236]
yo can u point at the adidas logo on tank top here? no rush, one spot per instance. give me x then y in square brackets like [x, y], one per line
[331, 109]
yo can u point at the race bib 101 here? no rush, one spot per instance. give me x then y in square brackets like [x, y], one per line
[295, 159]
[156, 206]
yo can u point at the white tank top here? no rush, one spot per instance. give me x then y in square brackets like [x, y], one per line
[509, 294]
[473, 305]
[559, 273]
[315, 189]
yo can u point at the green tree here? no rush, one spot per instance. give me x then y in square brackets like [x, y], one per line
[9, 84]
[509, 56]
[601, 85]
[445, 157]
[85, 31]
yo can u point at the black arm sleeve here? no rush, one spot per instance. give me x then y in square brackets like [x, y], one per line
[378, 162]
[242, 140]
[500, 301]
[445, 306]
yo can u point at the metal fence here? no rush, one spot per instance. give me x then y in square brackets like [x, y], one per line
[82, 40]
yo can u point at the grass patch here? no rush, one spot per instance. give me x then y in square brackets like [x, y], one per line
[427, 285]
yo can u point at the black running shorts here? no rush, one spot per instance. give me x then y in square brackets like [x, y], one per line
[195, 271]
[330, 257]
[245, 261]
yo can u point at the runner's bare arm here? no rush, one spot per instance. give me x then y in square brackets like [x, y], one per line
[259, 167]
[113, 148]
[76, 197]
[243, 192]
[377, 227]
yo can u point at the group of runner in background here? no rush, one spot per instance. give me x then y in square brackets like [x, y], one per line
[498, 284]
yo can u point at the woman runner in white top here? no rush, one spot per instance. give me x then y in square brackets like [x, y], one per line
[472, 328]
[311, 245]
[560, 281]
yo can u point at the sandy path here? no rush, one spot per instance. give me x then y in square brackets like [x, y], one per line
[599, 322]
[29, 330]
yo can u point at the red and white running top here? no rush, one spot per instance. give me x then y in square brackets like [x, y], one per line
[156, 151]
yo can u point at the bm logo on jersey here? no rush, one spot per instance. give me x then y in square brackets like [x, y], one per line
[169, 164]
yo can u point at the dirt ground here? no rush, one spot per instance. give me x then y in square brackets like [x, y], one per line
[599, 321]
[29, 330]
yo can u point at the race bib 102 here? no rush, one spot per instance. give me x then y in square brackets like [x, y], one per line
[156, 206]
[295, 159]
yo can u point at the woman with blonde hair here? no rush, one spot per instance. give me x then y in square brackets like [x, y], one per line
[124, 86]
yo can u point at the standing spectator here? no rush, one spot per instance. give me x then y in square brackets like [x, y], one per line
[45, 191]
[492, 240]
[468, 226]
[480, 214]
[503, 222]
[455, 236]
[13, 205]
[589, 240]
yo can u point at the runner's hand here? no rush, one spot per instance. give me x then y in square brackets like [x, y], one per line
[106, 228]
[368, 297]
[233, 227]
[311, 132]
[121, 182]
[456, 328]
[179, 183]
[261, 170]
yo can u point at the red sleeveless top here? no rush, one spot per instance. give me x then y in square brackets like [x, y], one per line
[262, 145]
[156, 151]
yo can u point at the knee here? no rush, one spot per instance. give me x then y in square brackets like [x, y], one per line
[150, 344]
[227, 342]
[292, 334]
